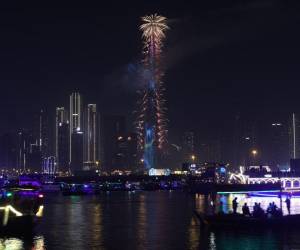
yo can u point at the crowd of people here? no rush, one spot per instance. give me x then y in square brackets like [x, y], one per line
[258, 211]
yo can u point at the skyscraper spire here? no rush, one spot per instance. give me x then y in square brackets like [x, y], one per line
[151, 120]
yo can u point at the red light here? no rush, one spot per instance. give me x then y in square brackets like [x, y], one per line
[41, 196]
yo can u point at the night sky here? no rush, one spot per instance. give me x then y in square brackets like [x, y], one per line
[221, 59]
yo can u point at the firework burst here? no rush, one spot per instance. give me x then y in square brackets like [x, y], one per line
[151, 120]
[154, 27]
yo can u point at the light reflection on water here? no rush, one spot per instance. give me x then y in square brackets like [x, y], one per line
[247, 239]
[255, 239]
[143, 220]
[37, 243]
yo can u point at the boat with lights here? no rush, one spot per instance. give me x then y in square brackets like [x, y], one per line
[241, 221]
[20, 208]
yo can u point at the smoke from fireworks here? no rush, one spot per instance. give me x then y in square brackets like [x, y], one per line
[151, 120]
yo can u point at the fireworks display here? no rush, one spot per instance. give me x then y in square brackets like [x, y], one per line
[151, 121]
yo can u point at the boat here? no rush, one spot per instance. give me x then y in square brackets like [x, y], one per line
[241, 221]
[51, 187]
[79, 189]
[20, 208]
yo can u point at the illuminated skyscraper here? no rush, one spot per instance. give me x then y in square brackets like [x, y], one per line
[75, 117]
[23, 149]
[151, 122]
[62, 139]
[61, 118]
[294, 135]
[91, 137]
[75, 112]
[41, 132]
[62, 157]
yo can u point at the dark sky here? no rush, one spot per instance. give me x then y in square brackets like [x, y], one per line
[221, 59]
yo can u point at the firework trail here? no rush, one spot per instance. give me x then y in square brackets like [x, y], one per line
[151, 120]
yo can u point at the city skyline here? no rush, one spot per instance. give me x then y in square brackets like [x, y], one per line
[150, 124]
[274, 142]
[207, 87]
[111, 73]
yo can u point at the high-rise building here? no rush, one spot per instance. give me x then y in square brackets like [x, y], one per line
[62, 139]
[75, 112]
[62, 154]
[34, 159]
[48, 165]
[294, 136]
[188, 145]
[125, 157]
[91, 136]
[76, 115]
[75, 129]
[210, 151]
[76, 163]
[61, 117]
[23, 148]
[151, 123]
[112, 128]
[245, 139]
[132, 157]
[41, 132]
[278, 146]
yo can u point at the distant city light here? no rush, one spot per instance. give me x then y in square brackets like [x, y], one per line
[254, 152]
[9, 194]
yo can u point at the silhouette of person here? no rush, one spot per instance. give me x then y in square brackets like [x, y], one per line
[288, 204]
[246, 210]
[234, 205]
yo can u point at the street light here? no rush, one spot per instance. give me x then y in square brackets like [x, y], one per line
[254, 153]
[193, 158]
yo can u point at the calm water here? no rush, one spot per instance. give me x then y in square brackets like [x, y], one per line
[140, 220]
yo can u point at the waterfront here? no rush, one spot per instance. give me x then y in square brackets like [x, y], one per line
[139, 220]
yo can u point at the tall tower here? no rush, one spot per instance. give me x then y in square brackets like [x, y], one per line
[62, 139]
[23, 146]
[75, 116]
[151, 120]
[76, 134]
[75, 112]
[91, 137]
[41, 132]
[294, 132]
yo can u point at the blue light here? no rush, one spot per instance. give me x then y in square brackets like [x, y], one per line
[149, 151]
[223, 170]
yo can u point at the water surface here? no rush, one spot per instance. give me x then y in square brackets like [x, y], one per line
[142, 220]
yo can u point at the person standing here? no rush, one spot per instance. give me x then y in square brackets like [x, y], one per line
[221, 210]
[288, 204]
[234, 205]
